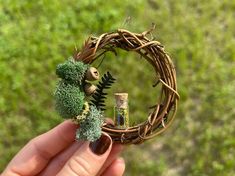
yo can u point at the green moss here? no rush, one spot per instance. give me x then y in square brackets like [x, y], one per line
[69, 100]
[72, 71]
[90, 128]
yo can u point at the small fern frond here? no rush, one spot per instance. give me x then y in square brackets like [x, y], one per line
[98, 98]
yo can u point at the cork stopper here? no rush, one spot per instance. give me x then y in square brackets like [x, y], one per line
[121, 100]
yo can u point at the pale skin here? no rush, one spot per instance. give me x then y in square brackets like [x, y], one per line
[56, 153]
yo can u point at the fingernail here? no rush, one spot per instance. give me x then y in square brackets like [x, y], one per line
[101, 145]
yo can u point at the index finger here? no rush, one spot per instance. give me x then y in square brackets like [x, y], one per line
[38, 152]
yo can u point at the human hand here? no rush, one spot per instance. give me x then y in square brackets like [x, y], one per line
[56, 153]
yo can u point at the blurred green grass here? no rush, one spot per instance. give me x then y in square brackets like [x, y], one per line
[199, 35]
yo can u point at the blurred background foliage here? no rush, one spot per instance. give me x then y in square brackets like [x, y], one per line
[199, 35]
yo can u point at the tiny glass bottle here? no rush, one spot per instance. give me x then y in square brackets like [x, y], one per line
[121, 110]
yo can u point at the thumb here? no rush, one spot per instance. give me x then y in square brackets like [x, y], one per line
[89, 158]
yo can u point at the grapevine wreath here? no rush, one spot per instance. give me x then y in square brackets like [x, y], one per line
[77, 98]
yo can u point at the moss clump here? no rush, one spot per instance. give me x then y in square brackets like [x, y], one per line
[72, 71]
[69, 99]
[90, 128]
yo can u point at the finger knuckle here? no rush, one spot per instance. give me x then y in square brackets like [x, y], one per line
[36, 146]
[34, 140]
[80, 166]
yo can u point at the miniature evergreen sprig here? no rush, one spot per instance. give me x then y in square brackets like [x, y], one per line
[98, 98]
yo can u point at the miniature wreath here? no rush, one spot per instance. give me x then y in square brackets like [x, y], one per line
[77, 98]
